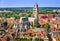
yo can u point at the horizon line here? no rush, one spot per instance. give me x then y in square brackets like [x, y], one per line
[15, 7]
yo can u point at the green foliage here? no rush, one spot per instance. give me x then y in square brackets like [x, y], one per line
[56, 12]
[46, 26]
[25, 39]
[36, 39]
[46, 11]
[36, 26]
[17, 39]
[29, 13]
[1, 21]
[2, 30]
[8, 15]
[43, 11]
[49, 12]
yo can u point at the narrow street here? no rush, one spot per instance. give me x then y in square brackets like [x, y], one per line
[49, 36]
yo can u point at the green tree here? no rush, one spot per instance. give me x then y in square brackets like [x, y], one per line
[1, 21]
[15, 14]
[6, 15]
[36, 25]
[49, 12]
[46, 26]
[29, 12]
[43, 11]
[46, 11]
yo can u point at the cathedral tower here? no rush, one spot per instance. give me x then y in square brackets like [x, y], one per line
[35, 10]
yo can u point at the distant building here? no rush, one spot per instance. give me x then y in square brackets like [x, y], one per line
[6, 11]
[56, 10]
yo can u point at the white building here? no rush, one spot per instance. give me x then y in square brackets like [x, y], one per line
[24, 23]
[6, 11]
[31, 20]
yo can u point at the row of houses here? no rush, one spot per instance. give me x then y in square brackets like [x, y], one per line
[54, 22]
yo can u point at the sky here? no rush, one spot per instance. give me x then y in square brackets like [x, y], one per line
[29, 3]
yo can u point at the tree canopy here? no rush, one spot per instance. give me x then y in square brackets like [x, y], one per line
[46, 11]
[36, 25]
[46, 26]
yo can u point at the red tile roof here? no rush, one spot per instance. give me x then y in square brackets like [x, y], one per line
[48, 15]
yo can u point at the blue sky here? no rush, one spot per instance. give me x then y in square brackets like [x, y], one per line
[29, 3]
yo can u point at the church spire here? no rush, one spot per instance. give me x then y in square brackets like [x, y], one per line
[35, 10]
[35, 5]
